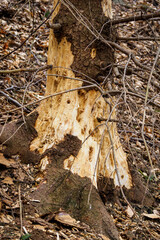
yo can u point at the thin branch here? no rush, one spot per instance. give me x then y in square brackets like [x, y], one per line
[51, 95]
[15, 102]
[135, 18]
[96, 164]
[144, 113]
[79, 79]
[116, 168]
[134, 71]
[138, 38]
[116, 92]
[123, 79]
[20, 208]
[26, 69]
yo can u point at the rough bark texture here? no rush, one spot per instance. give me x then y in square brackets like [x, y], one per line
[16, 138]
[64, 122]
[70, 192]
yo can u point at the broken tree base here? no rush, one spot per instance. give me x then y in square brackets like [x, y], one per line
[62, 188]
[67, 191]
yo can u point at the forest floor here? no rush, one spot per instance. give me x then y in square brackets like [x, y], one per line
[17, 20]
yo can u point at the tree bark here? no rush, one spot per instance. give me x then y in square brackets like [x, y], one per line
[78, 155]
[77, 163]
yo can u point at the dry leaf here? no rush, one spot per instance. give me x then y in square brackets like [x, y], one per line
[151, 215]
[39, 227]
[8, 180]
[5, 161]
[6, 218]
[65, 218]
[129, 212]
[104, 237]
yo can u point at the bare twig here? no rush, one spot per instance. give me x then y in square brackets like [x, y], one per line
[145, 104]
[135, 18]
[14, 101]
[52, 95]
[138, 38]
[26, 70]
[20, 207]
[116, 92]
[123, 79]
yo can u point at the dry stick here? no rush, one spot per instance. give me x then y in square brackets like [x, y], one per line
[20, 207]
[51, 95]
[123, 79]
[31, 33]
[79, 79]
[116, 169]
[117, 103]
[26, 70]
[134, 71]
[135, 18]
[14, 101]
[81, 73]
[12, 135]
[28, 84]
[95, 168]
[116, 92]
[127, 52]
[144, 113]
[137, 38]
[3, 126]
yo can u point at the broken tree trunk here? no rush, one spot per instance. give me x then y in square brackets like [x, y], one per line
[70, 138]
[78, 153]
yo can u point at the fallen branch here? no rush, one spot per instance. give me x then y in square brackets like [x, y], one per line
[15, 102]
[135, 18]
[134, 71]
[26, 69]
[113, 93]
[144, 113]
[138, 38]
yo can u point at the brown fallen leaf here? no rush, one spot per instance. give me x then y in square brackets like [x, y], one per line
[39, 227]
[6, 162]
[8, 180]
[151, 215]
[65, 218]
[129, 212]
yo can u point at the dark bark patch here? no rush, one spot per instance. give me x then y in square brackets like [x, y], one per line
[135, 195]
[70, 192]
[139, 194]
[83, 41]
[63, 150]
[17, 137]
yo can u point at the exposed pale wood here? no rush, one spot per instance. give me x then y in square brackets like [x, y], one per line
[76, 113]
[107, 8]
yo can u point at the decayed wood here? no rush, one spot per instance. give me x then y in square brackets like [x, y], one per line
[70, 141]
[76, 113]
